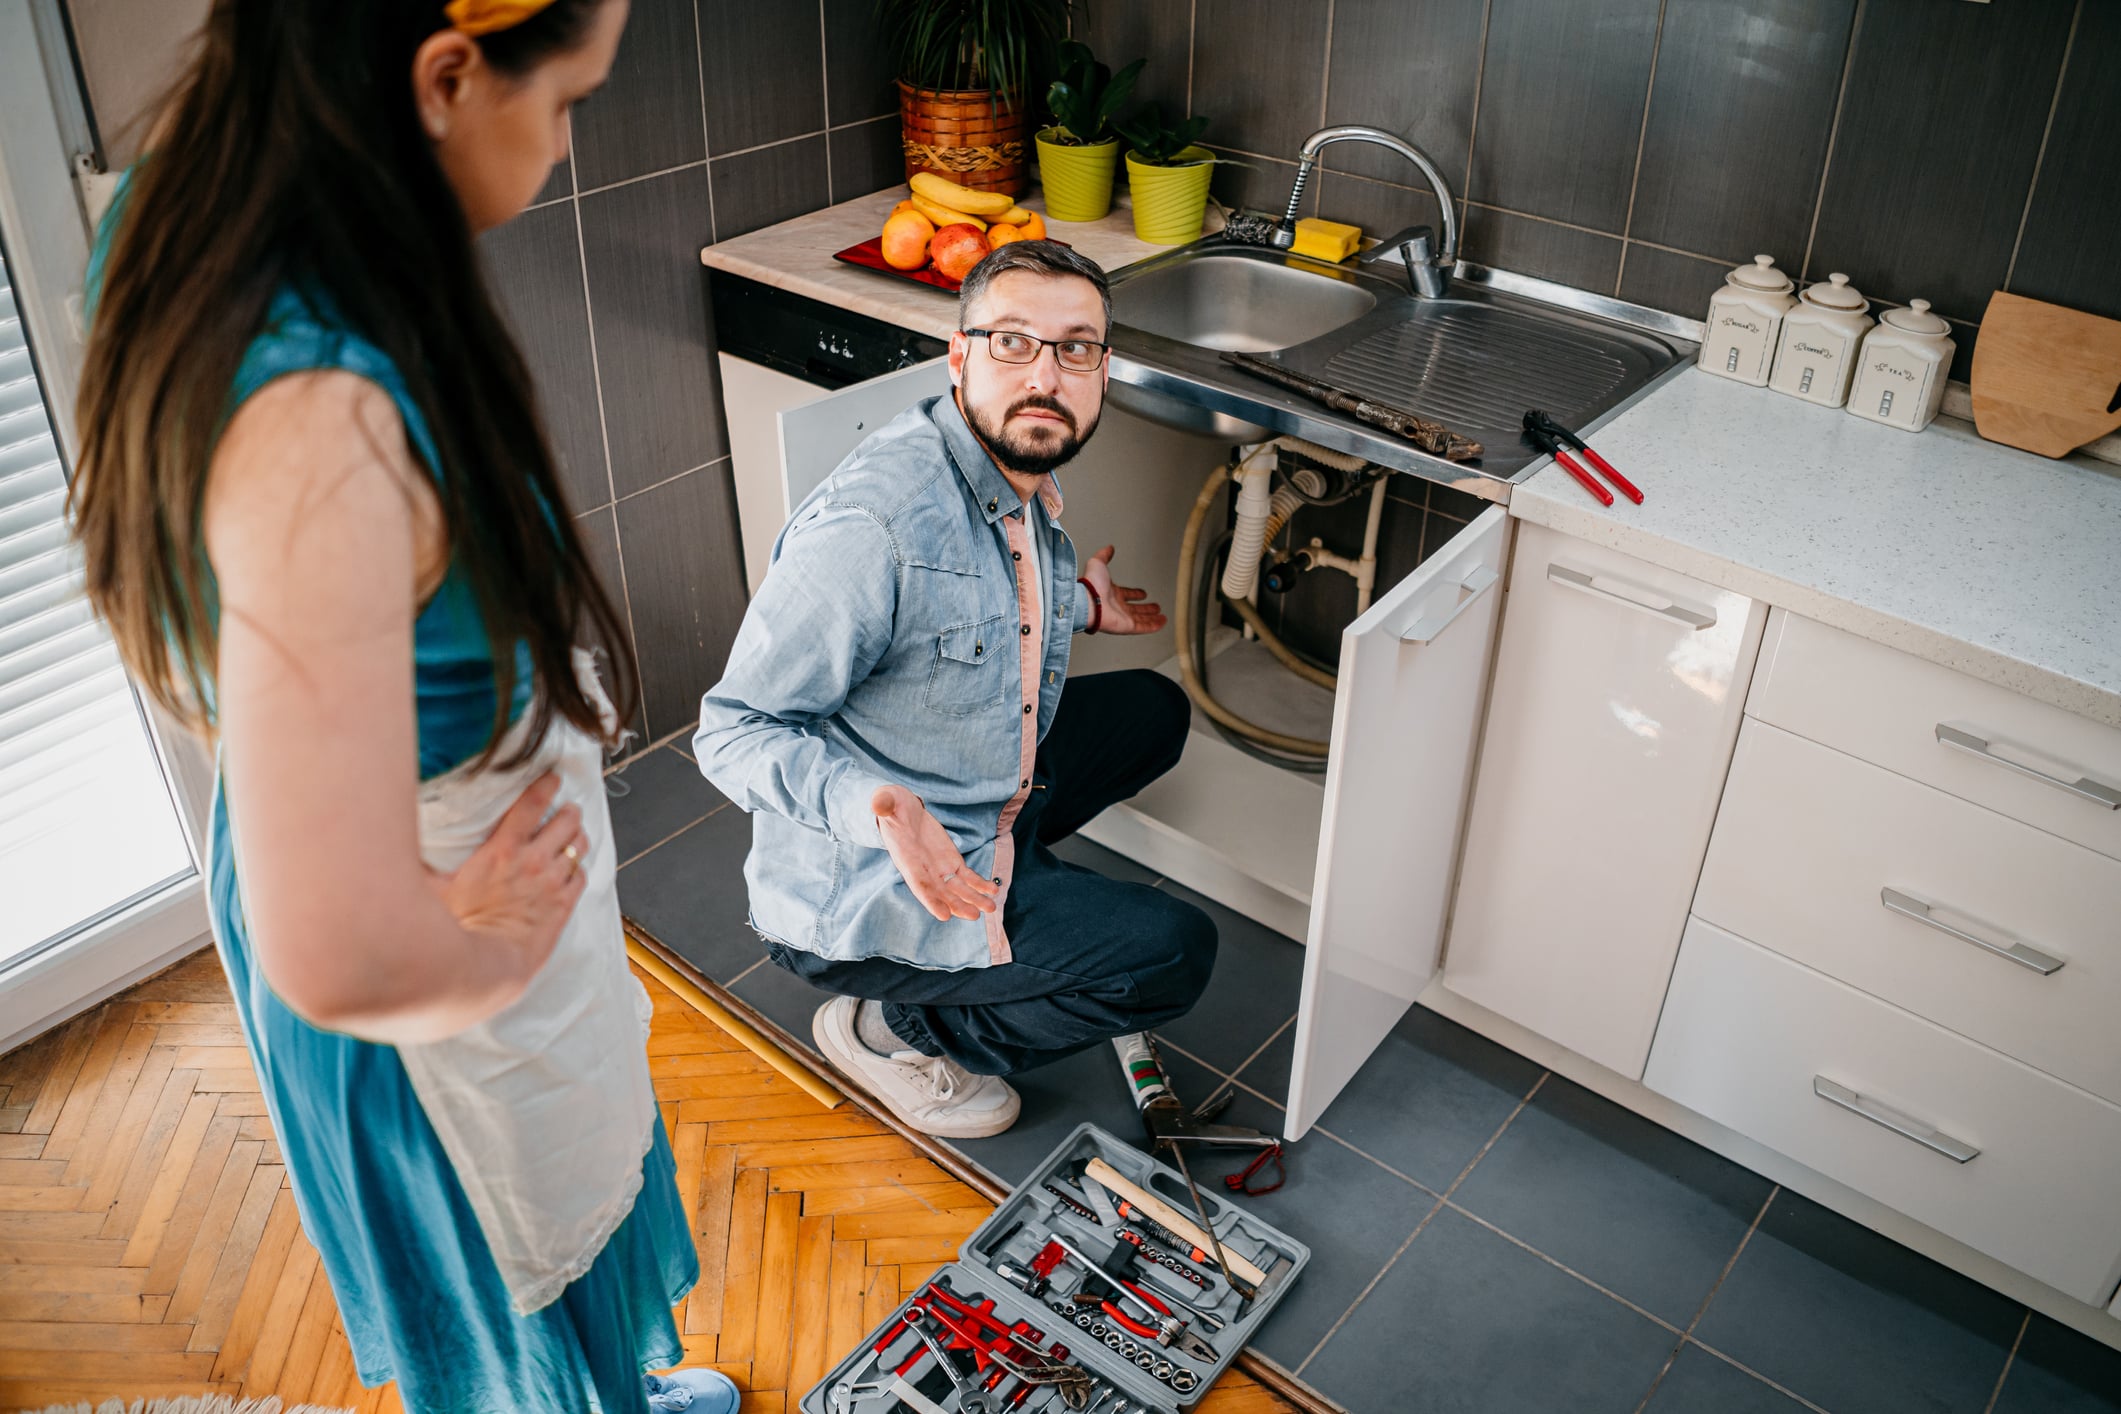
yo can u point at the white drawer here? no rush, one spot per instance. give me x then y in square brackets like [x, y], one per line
[1809, 841]
[1890, 708]
[1748, 1038]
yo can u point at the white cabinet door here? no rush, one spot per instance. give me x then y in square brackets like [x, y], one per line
[1618, 691]
[1413, 673]
[817, 436]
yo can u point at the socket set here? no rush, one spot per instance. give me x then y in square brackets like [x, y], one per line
[1091, 1289]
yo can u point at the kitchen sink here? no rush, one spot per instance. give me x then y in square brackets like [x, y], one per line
[1475, 359]
[1230, 303]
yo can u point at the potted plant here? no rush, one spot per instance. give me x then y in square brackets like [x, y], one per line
[1077, 156]
[964, 67]
[1167, 174]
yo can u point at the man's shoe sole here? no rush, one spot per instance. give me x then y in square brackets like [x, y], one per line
[835, 1050]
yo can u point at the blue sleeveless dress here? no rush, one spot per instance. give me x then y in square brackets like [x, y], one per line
[422, 1301]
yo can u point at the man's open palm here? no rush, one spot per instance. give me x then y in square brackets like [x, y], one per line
[1124, 609]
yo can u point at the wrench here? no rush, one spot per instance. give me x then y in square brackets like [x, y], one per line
[971, 1399]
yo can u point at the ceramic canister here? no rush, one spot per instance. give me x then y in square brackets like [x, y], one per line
[1901, 372]
[1816, 355]
[1745, 320]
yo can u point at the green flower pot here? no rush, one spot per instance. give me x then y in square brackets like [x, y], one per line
[1077, 180]
[1171, 203]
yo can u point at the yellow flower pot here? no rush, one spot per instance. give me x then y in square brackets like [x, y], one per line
[1077, 180]
[1171, 203]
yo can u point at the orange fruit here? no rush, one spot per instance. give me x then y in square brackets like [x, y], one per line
[999, 236]
[905, 241]
[1033, 229]
[902, 206]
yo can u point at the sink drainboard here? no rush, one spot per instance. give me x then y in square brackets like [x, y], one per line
[1472, 368]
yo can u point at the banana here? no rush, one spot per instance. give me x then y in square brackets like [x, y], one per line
[943, 215]
[1014, 216]
[957, 198]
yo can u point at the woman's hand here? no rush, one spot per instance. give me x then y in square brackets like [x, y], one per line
[927, 860]
[520, 887]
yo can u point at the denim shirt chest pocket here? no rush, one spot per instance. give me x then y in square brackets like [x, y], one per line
[969, 673]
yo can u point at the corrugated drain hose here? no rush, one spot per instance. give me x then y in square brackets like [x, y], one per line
[1189, 669]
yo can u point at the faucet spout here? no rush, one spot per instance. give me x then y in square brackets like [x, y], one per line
[1428, 284]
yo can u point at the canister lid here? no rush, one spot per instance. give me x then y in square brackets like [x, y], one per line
[1915, 319]
[1761, 275]
[1836, 293]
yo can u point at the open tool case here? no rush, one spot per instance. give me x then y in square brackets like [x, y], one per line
[980, 1314]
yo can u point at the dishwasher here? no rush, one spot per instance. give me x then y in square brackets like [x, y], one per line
[779, 350]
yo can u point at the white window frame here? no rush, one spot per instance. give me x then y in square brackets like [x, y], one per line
[46, 227]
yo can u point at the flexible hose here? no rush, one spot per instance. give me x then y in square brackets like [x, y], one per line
[1189, 667]
[1255, 473]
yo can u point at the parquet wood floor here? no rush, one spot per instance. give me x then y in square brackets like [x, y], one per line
[149, 1244]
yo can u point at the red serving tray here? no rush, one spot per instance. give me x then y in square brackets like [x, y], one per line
[870, 256]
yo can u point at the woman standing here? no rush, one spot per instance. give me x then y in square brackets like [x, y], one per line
[322, 521]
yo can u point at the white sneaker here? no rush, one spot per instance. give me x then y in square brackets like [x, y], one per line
[932, 1094]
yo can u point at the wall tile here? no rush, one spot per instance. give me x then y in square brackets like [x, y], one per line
[647, 303]
[534, 267]
[865, 158]
[1380, 209]
[858, 77]
[1323, 601]
[680, 544]
[764, 70]
[1939, 128]
[1411, 70]
[1739, 116]
[558, 183]
[767, 186]
[1259, 72]
[1676, 284]
[1255, 183]
[646, 117]
[1161, 31]
[599, 530]
[1561, 103]
[2067, 252]
[1539, 248]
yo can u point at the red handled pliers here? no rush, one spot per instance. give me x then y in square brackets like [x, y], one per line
[1556, 441]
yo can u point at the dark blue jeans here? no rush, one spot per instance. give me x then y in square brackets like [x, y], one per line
[1092, 958]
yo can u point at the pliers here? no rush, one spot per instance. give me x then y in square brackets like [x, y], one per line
[1555, 440]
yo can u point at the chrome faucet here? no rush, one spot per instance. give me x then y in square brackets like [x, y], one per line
[1428, 270]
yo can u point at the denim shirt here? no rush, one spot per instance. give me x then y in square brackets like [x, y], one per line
[892, 643]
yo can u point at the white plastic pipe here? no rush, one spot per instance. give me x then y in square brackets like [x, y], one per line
[1255, 503]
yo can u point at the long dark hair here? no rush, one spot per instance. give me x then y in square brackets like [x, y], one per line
[291, 152]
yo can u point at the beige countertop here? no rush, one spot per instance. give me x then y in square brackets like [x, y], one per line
[797, 256]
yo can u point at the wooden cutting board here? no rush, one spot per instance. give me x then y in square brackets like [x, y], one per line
[2046, 377]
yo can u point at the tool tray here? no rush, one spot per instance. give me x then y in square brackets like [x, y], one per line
[1125, 1363]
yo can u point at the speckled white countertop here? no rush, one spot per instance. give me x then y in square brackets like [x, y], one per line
[797, 255]
[1996, 562]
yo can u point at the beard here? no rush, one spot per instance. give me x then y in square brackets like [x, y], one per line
[1036, 450]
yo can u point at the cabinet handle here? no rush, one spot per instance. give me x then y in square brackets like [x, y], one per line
[1884, 1115]
[2084, 787]
[1909, 906]
[1663, 605]
[1474, 583]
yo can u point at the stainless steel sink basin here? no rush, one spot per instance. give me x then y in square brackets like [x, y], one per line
[1475, 360]
[1231, 303]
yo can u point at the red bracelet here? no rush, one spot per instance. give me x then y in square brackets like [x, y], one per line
[1097, 606]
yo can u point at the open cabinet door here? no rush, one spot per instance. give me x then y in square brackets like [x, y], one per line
[1406, 717]
[817, 436]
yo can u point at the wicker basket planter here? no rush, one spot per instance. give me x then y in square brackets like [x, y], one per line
[966, 135]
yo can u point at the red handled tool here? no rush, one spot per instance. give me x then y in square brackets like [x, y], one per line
[1551, 437]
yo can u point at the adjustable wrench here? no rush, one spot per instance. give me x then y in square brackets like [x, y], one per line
[971, 1399]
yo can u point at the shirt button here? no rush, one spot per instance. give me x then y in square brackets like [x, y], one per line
[1027, 709]
[997, 881]
[1016, 554]
[993, 503]
[1027, 630]
[1023, 783]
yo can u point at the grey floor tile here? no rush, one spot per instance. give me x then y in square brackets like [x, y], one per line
[782, 998]
[1268, 1072]
[1086, 1086]
[2058, 1371]
[1853, 1321]
[654, 797]
[1258, 974]
[1429, 1097]
[1699, 1383]
[1468, 1321]
[690, 894]
[1077, 850]
[1628, 1203]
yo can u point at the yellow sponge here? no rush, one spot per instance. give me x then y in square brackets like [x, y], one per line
[1326, 240]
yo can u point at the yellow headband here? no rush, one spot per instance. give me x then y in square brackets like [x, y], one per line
[477, 17]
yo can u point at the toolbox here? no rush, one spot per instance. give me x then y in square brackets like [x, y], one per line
[1073, 1298]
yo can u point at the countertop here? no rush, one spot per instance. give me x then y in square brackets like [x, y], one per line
[1996, 562]
[797, 255]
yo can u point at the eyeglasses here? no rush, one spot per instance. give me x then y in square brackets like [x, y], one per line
[1013, 346]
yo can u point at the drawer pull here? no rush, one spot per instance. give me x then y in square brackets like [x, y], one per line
[1908, 906]
[2084, 787]
[1472, 584]
[1906, 1126]
[1662, 605]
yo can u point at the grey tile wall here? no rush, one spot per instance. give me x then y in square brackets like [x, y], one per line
[719, 118]
[1909, 140]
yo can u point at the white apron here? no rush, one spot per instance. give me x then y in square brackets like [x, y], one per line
[546, 1110]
